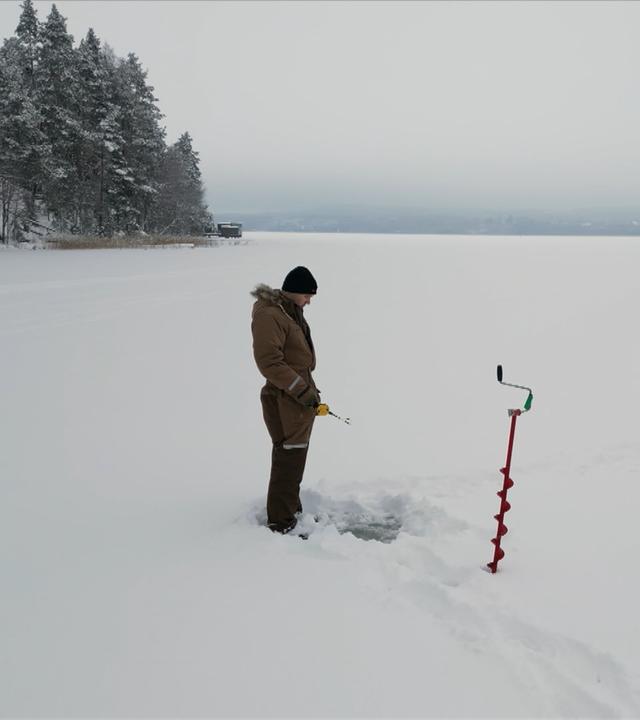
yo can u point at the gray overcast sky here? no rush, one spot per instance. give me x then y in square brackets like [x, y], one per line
[506, 105]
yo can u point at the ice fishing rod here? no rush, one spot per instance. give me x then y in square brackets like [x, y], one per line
[502, 530]
[323, 409]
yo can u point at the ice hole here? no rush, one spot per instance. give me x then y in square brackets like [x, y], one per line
[383, 529]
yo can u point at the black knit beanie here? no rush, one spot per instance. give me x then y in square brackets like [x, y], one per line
[300, 280]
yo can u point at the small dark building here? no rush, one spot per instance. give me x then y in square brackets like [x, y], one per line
[230, 230]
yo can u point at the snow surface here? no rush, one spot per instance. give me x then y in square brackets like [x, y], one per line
[138, 578]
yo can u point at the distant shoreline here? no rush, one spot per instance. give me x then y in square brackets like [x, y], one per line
[451, 234]
[415, 221]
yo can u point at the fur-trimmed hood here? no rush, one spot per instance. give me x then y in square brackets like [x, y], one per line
[267, 294]
[272, 297]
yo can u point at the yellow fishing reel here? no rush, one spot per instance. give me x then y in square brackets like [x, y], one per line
[323, 409]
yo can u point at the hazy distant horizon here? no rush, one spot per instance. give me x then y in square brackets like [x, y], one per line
[452, 106]
[591, 221]
[606, 211]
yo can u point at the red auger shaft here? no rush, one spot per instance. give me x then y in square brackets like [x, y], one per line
[502, 494]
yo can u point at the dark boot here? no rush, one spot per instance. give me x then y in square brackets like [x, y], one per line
[283, 497]
[282, 529]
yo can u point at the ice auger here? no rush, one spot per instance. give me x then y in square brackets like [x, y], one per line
[498, 553]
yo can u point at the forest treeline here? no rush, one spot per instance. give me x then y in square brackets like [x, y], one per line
[82, 148]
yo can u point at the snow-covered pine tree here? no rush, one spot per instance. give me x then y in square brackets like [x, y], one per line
[22, 142]
[57, 95]
[95, 115]
[133, 177]
[28, 35]
[181, 208]
[33, 137]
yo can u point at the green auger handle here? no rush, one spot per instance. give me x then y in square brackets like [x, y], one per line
[528, 401]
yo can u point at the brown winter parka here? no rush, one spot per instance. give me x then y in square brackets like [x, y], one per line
[285, 356]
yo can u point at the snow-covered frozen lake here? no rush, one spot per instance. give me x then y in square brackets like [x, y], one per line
[137, 578]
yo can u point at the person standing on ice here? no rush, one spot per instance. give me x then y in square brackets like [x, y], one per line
[285, 356]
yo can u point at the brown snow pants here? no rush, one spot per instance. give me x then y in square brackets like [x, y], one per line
[289, 425]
